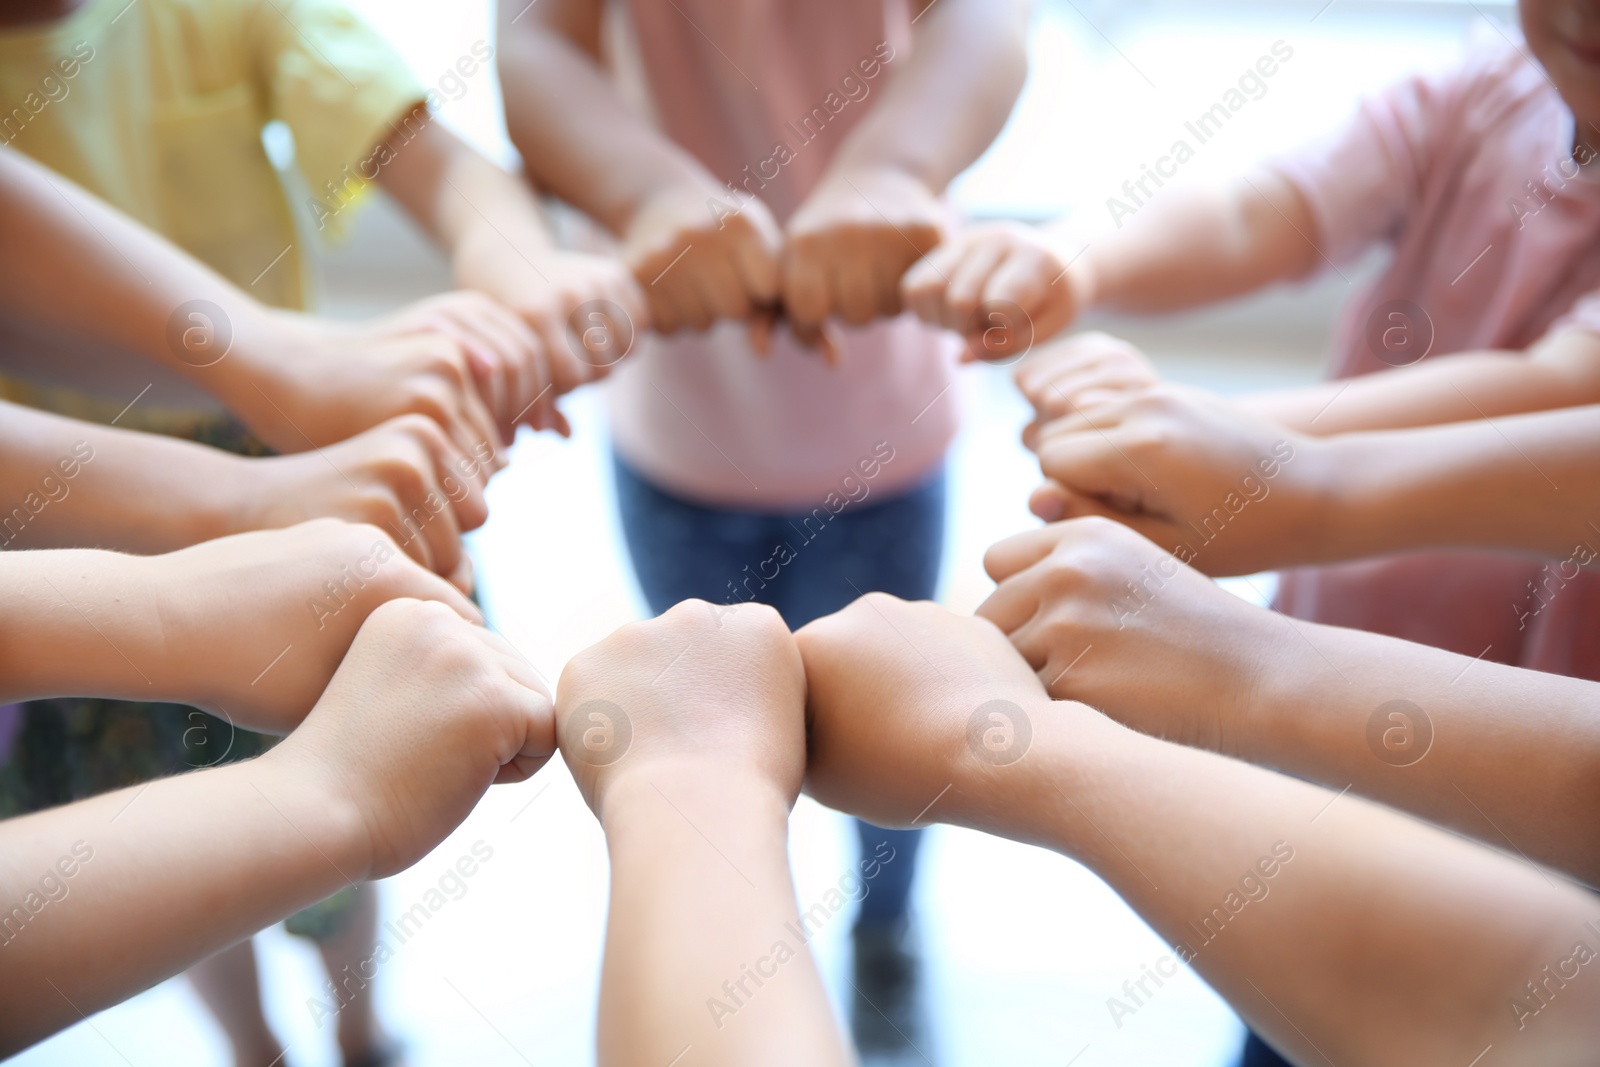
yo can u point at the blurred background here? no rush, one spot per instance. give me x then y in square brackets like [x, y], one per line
[1022, 947]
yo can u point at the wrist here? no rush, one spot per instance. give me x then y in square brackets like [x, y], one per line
[699, 792]
[1075, 751]
[315, 797]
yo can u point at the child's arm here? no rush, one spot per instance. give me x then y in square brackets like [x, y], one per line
[687, 736]
[250, 626]
[73, 484]
[108, 896]
[698, 252]
[1561, 370]
[70, 262]
[491, 226]
[1502, 754]
[1341, 931]
[876, 211]
[1187, 248]
[1164, 461]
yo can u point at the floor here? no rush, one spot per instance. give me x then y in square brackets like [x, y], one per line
[1023, 947]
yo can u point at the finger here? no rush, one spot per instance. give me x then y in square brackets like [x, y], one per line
[464, 577]
[762, 323]
[1020, 551]
[854, 289]
[757, 257]
[426, 585]
[1010, 606]
[1054, 502]
[721, 289]
[1094, 465]
[965, 290]
[830, 343]
[1021, 281]
[924, 285]
[805, 286]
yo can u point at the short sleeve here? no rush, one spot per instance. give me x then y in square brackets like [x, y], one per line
[1363, 181]
[336, 83]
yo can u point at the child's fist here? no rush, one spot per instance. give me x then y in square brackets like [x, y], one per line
[705, 689]
[253, 626]
[697, 265]
[1084, 369]
[1002, 286]
[406, 476]
[424, 714]
[1110, 619]
[917, 715]
[851, 241]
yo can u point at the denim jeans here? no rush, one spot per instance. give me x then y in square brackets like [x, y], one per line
[806, 565]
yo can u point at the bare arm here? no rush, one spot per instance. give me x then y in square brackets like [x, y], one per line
[1187, 248]
[1437, 734]
[1194, 246]
[687, 736]
[577, 137]
[1163, 461]
[1561, 370]
[1341, 931]
[425, 712]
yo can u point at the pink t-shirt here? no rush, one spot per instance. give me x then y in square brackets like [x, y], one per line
[1472, 179]
[701, 415]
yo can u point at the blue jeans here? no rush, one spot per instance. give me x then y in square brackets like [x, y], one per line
[682, 550]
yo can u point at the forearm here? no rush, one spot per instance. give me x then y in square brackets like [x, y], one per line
[108, 896]
[1320, 917]
[1406, 489]
[78, 265]
[66, 484]
[1432, 733]
[462, 199]
[944, 104]
[705, 946]
[1470, 385]
[557, 96]
[1190, 247]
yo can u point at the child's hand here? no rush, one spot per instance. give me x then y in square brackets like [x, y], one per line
[563, 297]
[323, 382]
[405, 476]
[253, 626]
[513, 367]
[917, 715]
[1061, 378]
[704, 692]
[697, 265]
[1110, 619]
[851, 241]
[424, 714]
[1189, 471]
[977, 282]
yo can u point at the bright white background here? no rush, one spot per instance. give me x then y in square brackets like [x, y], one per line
[1023, 947]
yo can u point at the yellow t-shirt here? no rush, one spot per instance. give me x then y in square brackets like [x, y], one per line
[158, 108]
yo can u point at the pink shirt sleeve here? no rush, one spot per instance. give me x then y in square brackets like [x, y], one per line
[1364, 180]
